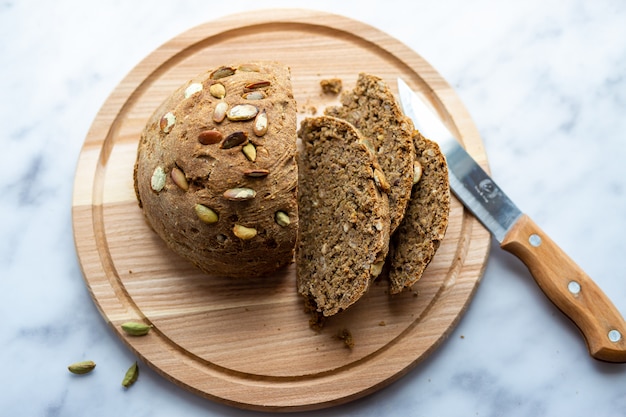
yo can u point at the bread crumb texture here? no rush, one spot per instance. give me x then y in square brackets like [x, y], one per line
[344, 216]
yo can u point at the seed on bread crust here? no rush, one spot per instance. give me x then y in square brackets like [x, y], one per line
[243, 232]
[178, 177]
[242, 112]
[256, 173]
[205, 214]
[222, 72]
[260, 123]
[219, 113]
[167, 122]
[210, 137]
[217, 90]
[239, 194]
[234, 139]
[249, 150]
[193, 89]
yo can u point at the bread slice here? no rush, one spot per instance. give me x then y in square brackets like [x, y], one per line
[343, 211]
[372, 108]
[424, 225]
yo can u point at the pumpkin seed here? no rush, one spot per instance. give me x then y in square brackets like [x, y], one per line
[243, 232]
[131, 375]
[157, 182]
[179, 178]
[167, 122]
[256, 173]
[81, 368]
[248, 68]
[205, 214]
[133, 328]
[249, 150]
[417, 172]
[260, 123]
[242, 112]
[219, 113]
[254, 95]
[217, 90]
[210, 137]
[381, 181]
[239, 194]
[192, 89]
[234, 139]
[255, 85]
[222, 72]
[282, 218]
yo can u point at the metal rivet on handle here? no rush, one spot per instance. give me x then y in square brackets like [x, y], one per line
[534, 240]
[615, 336]
[573, 287]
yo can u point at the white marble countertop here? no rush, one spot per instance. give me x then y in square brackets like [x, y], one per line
[545, 83]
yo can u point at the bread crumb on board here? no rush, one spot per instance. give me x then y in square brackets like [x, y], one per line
[331, 86]
[345, 336]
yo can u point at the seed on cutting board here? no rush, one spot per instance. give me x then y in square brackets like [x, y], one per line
[242, 112]
[192, 89]
[239, 194]
[205, 214]
[210, 137]
[82, 367]
[260, 123]
[179, 178]
[234, 139]
[249, 150]
[217, 90]
[167, 122]
[243, 232]
[222, 72]
[134, 328]
[219, 113]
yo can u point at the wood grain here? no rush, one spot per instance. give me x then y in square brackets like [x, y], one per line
[247, 342]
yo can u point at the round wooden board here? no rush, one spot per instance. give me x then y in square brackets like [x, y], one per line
[247, 342]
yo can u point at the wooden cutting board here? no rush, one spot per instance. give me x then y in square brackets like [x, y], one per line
[248, 343]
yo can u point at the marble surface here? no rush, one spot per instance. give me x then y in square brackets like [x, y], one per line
[545, 84]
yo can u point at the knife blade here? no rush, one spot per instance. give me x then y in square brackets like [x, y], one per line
[567, 286]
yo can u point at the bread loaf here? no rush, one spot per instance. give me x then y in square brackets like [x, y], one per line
[215, 172]
[418, 237]
[372, 108]
[344, 215]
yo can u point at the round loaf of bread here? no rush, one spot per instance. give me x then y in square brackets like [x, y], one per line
[215, 173]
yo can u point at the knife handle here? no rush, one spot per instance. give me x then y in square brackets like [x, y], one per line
[570, 289]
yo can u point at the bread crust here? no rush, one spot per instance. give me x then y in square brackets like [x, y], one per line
[211, 168]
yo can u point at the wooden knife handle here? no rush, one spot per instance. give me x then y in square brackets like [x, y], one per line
[570, 289]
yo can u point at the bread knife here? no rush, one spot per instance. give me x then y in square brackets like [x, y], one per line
[561, 280]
